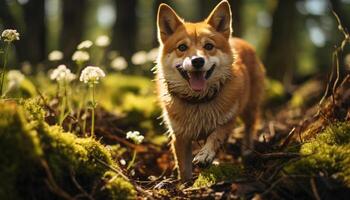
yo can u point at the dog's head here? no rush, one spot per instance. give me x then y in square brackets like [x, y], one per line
[195, 58]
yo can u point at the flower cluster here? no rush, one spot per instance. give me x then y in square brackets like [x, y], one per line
[91, 75]
[119, 63]
[62, 73]
[15, 78]
[102, 41]
[135, 136]
[80, 56]
[55, 55]
[85, 45]
[153, 54]
[10, 35]
[139, 58]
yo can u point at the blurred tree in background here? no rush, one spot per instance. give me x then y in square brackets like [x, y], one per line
[124, 30]
[73, 21]
[281, 57]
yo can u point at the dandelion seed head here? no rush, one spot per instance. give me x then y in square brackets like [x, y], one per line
[10, 35]
[81, 56]
[55, 55]
[135, 136]
[91, 75]
[62, 73]
[119, 63]
[102, 41]
[86, 44]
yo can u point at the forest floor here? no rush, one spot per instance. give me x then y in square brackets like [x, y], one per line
[262, 175]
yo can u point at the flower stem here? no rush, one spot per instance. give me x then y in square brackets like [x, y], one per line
[4, 69]
[131, 163]
[93, 110]
[80, 65]
[64, 103]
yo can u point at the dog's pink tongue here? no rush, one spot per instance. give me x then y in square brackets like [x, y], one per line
[197, 81]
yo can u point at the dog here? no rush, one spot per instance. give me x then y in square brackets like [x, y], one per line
[205, 80]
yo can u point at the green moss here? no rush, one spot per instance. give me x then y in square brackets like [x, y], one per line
[116, 87]
[274, 91]
[19, 146]
[328, 153]
[214, 174]
[26, 140]
[118, 188]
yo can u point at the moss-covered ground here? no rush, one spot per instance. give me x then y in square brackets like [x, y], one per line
[39, 161]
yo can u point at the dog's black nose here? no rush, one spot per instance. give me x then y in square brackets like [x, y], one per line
[198, 62]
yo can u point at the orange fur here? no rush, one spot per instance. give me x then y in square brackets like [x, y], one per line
[234, 89]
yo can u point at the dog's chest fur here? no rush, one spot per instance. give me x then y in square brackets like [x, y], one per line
[196, 121]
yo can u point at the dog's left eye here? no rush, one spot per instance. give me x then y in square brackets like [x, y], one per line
[208, 46]
[182, 47]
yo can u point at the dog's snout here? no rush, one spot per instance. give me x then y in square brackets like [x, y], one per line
[198, 62]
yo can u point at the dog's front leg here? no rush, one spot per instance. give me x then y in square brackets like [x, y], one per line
[182, 148]
[215, 140]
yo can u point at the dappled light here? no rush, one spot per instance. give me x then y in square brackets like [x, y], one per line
[200, 99]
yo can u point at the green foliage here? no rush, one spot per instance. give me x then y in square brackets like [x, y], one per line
[133, 97]
[215, 174]
[274, 91]
[327, 153]
[117, 187]
[27, 141]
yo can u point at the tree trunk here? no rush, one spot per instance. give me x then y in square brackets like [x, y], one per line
[35, 30]
[73, 18]
[281, 57]
[125, 28]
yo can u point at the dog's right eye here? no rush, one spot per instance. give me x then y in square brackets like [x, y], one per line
[182, 47]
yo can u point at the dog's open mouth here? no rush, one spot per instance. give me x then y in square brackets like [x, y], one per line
[196, 79]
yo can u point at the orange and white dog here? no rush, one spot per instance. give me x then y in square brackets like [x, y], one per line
[205, 80]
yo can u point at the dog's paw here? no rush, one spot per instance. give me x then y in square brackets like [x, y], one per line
[204, 157]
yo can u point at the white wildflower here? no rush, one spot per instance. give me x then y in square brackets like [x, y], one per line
[26, 67]
[55, 55]
[112, 54]
[91, 75]
[152, 54]
[10, 35]
[62, 73]
[102, 41]
[80, 56]
[135, 136]
[139, 58]
[119, 63]
[122, 162]
[85, 45]
[15, 78]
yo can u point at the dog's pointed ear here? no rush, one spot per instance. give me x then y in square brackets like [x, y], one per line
[220, 18]
[167, 21]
